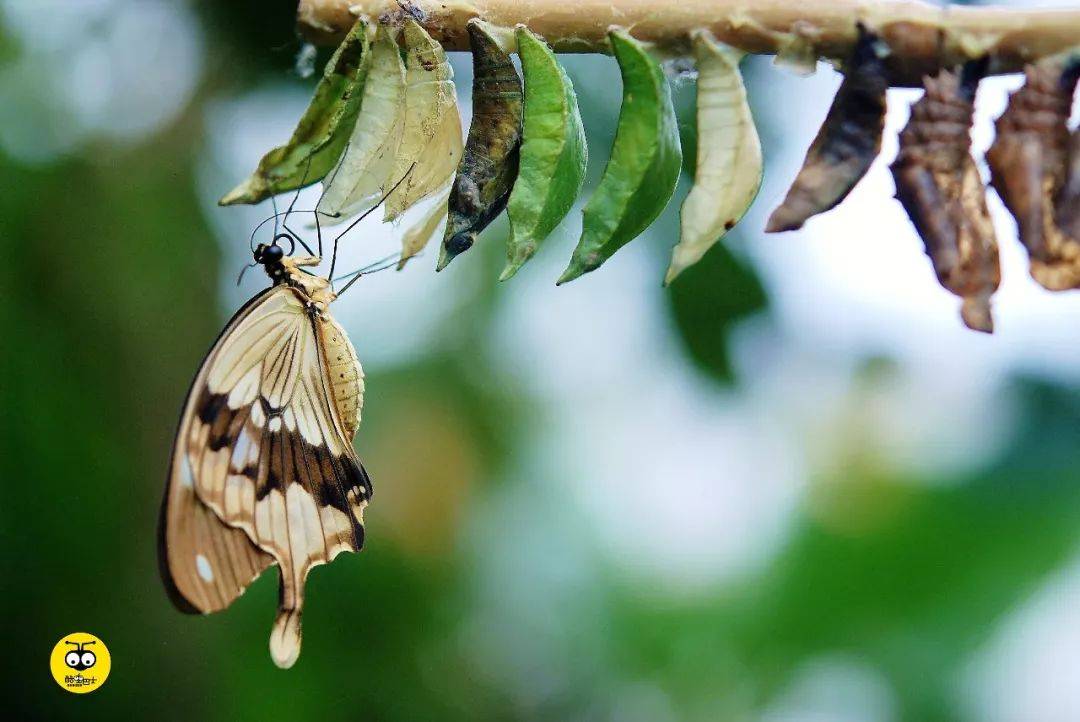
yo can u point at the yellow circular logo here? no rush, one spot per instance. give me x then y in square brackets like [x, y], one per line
[80, 662]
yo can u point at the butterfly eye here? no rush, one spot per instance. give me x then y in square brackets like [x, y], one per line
[72, 659]
[276, 249]
[88, 659]
[271, 254]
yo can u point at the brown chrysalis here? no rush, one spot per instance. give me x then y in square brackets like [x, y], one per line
[846, 144]
[939, 186]
[489, 165]
[1028, 165]
[1067, 203]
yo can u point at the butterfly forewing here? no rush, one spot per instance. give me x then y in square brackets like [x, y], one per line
[269, 457]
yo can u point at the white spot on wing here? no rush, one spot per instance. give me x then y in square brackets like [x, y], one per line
[186, 477]
[202, 564]
[241, 449]
[257, 416]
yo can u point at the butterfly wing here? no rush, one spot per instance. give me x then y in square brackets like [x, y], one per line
[268, 452]
[204, 563]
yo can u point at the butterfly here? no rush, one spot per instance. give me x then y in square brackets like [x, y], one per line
[263, 470]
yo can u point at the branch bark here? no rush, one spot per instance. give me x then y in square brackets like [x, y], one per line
[923, 37]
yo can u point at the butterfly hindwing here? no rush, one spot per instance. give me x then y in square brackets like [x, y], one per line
[204, 563]
[268, 454]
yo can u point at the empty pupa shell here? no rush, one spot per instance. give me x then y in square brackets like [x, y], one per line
[939, 186]
[417, 236]
[644, 166]
[1028, 163]
[322, 132]
[729, 161]
[553, 154]
[1067, 204]
[363, 175]
[431, 139]
[846, 144]
[489, 164]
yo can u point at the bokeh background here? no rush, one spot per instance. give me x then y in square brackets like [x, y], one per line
[790, 489]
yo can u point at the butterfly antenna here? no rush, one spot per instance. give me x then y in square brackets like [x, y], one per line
[326, 187]
[273, 204]
[277, 234]
[365, 214]
[333, 173]
[296, 196]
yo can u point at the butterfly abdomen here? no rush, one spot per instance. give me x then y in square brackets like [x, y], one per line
[346, 375]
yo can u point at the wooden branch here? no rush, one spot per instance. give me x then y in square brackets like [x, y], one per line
[923, 37]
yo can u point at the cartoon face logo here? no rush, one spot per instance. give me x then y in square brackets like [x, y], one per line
[80, 658]
[76, 667]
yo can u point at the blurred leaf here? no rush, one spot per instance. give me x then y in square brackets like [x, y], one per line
[710, 298]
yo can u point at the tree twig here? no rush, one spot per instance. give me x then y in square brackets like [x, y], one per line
[923, 37]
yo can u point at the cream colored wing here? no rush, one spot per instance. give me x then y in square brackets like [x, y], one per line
[267, 451]
[204, 563]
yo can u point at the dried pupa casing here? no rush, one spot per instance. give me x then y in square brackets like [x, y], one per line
[1067, 204]
[729, 165]
[430, 145]
[419, 234]
[939, 186]
[323, 131]
[363, 175]
[1028, 165]
[846, 144]
[489, 164]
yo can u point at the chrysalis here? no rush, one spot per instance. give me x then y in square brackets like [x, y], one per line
[426, 227]
[554, 154]
[939, 186]
[323, 131]
[364, 173]
[1028, 169]
[430, 145]
[729, 167]
[1067, 204]
[644, 165]
[848, 142]
[489, 164]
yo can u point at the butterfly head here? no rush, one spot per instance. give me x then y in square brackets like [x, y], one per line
[271, 257]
